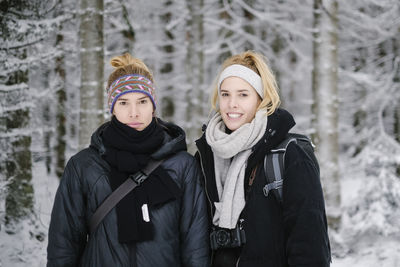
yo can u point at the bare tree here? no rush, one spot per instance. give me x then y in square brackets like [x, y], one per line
[194, 66]
[61, 96]
[167, 67]
[92, 67]
[119, 33]
[325, 104]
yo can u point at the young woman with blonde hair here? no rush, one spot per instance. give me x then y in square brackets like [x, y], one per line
[250, 228]
[161, 222]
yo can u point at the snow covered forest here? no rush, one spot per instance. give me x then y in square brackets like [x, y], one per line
[338, 69]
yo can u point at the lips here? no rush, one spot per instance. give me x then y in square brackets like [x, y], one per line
[134, 124]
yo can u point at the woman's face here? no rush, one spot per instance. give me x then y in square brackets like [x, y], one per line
[238, 102]
[134, 109]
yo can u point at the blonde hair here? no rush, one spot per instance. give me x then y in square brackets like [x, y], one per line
[257, 63]
[126, 64]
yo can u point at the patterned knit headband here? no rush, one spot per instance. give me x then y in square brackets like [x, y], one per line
[129, 84]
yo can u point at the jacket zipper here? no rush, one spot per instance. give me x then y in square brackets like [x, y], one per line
[208, 197]
[205, 182]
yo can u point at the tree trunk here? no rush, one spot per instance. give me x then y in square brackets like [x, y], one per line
[325, 106]
[61, 97]
[396, 80]
[167, 67]
[48, 122]
[92, 68]
[195, 71]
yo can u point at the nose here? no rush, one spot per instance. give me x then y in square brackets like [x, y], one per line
[232, 102]
[133, 111]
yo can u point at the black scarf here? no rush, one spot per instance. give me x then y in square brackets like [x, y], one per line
[128, 151]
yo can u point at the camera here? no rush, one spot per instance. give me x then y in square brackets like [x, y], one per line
[227, 238]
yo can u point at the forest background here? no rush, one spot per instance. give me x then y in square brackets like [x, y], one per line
[338, 68]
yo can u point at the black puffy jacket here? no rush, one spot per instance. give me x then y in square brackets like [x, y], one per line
[180, 226]
[291, 233]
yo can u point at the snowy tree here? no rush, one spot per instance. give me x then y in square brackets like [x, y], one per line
[194, 66]
[325, 104]
[60, 77]
[18, 29]
[24, 25]
[370, 94]
[119, 33]
[167, 65]
[16, 139]
[91, 113]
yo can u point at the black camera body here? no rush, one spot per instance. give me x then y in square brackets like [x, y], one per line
[227, 238]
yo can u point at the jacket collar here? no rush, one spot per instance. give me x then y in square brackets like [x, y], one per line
[278, 126]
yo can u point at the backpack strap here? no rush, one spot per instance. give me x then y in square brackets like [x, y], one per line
[109, 203]
[274, 166]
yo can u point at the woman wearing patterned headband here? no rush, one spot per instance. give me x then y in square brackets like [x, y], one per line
[248, 227]
[161, 222]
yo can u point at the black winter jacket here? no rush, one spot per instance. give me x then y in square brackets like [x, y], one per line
[292, 233]
[180, 226]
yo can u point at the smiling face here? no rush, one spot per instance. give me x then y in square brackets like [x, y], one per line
[134, 109]
[238, 102]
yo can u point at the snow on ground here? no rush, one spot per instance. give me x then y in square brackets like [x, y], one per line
[26, 245]
[381, 252]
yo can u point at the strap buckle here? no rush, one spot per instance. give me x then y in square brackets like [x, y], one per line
[273, 185]
[138, 177]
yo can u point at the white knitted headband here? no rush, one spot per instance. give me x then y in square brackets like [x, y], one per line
[244, 73]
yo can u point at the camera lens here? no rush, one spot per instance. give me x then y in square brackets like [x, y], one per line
[222, 237]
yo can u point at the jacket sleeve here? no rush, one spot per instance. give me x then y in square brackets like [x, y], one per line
[67, 231]
[305, 225]
[194, 221]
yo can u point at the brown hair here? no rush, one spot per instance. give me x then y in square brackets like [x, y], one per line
[257, 63]
[126, 64]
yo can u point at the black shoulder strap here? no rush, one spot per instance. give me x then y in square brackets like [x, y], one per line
[274, 165]
[119, 193]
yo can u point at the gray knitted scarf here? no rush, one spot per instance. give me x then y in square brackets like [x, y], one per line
[231, 152]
